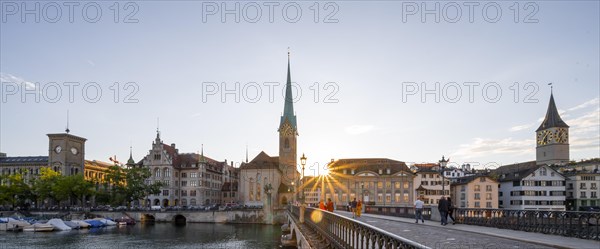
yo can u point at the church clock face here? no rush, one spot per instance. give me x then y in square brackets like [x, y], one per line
[544, 137]
[74, 151]
[561, 136]
[57, 149]
[287, 130]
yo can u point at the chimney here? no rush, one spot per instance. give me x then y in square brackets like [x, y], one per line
[231, 163]
[173, 145]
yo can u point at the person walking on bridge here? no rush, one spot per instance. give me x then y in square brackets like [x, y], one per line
[419, 210]
[353, 208]
[443, 208]
[358, 208]
[321, 205]
[329, 205]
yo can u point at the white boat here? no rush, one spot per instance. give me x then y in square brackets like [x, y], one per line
[72, 225]
[82, 224]
[106, 221]
[39, 227]
[58, 224]
[121, 223]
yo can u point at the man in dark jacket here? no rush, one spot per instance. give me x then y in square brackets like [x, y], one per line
[443, 207]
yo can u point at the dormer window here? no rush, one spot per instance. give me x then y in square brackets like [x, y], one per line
[380, 171]
[388, 171]
[345, 172]
[353, 171]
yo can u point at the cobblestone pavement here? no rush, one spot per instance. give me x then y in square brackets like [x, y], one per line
[444, 237]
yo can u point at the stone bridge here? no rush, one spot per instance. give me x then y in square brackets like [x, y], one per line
[231, 216]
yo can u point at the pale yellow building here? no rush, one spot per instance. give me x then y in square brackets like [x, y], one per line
[474, 192]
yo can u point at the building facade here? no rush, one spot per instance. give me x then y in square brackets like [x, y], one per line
[528, 186]
[582, 190]
[476, 191]
[376, 181]
[429, 183]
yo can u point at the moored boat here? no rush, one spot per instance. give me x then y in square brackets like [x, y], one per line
[39, 227]
[72, 225]
[58, 224]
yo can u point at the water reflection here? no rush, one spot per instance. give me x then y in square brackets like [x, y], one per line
[160, 235]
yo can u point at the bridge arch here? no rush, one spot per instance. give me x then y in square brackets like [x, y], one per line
[179, 219]
[147, 218]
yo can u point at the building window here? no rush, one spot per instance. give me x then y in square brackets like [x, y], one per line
[379, 197]
[192, 193]
[165, 192]
[194, 175]
[183, 192]
[193, 183]
[167, 183]
[543, 171]
[488, 188]
[488, 196]
[379, 185]
[477, 188]
[388, 185]
[582, 185]
[405, 185]
[488, 204]
[388, 198]
[405, 195]
[184, 183]
[397, 185]
[380, 171]
[397, 197]
[477, 204]
[156, 173]
[477, 196]
[183, 175]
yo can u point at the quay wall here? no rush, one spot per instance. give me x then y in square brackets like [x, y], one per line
[230, 216]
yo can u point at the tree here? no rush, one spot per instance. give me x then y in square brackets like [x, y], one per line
[73, 187]
[42, 186]
[14, 190]
[137, 188]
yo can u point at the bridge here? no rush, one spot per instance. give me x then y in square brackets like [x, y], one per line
[531, 229]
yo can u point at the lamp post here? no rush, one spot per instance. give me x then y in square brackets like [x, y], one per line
[303, 205]
[294, 195]
[443, 163]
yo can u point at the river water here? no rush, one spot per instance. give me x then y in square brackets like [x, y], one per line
[159, 235]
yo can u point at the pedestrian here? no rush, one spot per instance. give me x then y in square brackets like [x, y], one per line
[358, 208]
[353, 208]
[329, 205]
[419, 210]
[443, 208]
[450, 211]
[321, 205]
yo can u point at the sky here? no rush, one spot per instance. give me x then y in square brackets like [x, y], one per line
[409, 81]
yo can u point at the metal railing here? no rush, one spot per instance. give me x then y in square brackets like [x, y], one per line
[406, 212]
[344, 232]
[584, 225]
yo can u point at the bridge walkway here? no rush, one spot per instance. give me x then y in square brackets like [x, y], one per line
[433, 234]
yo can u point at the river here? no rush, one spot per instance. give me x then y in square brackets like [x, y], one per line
[159, 235]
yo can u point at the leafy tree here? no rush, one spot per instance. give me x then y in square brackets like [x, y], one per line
[42, 186]
[136, 188]
[73, 187]
[14, 190]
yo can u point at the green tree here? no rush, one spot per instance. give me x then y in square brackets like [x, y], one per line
[42, 186]
[136, 188]
[72, 188]
[14, 190]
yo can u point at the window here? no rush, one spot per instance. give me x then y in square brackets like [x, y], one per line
[192, 193]
[156, 173]
[379, 197]
[477, 188]
[388, 185]
[477, 204]
[477, 196]
[543, 171]
[184, 183]
[582, 185]
[482, 179]
[397, 185]
[388, 197]
[488, 188]
[167, 173]
[167, 183]
[165, 192]
[183, 175]
[379, 185]
[405, 195]
[380, 171]
[397, 197]
[582, 193]
[488, 196]
[488, 204]
[593, 185]
[183, 192]
[251, 194]
[194, 175]
[405, 185]
[388, 171]
[193, 183]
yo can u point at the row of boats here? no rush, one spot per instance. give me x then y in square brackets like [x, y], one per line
[11, 224]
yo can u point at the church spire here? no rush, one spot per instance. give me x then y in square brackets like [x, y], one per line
[288, 109]
[130, 161]
[552, 118]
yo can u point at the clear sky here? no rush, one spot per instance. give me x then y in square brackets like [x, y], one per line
[367, 72]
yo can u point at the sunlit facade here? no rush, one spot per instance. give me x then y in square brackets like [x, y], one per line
[375, 181]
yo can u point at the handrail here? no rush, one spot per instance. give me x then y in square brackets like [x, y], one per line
[344, 232]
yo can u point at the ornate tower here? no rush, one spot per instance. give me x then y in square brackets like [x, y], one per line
[66, 153]
[552, 138]
[288, 131]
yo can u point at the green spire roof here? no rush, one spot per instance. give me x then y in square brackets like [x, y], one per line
[288, 109]
[130, 161]
[552, 118]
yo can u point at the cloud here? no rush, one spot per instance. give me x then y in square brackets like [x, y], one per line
[521, 127]
[482, 147]
[359, 129]
[591, 102]
[5, 77]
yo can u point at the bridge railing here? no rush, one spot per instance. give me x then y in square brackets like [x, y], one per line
[584, 225]
[406, 212]
[344, 232]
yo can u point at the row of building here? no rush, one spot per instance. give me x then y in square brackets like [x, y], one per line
[551, 182]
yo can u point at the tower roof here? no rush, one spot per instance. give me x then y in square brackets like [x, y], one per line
[552, 118]
[288, 109]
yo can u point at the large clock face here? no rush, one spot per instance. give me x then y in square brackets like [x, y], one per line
[57, 149]
[544, 137]
[287, 130]
[74, 151]
[561, 136]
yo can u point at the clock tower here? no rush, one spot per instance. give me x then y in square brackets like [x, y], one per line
[66, 153]
[288, 132]
[552, 138]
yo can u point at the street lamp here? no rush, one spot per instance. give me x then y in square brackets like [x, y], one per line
[303, 163]
[443, 163]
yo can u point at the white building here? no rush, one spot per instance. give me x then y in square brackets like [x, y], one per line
[528, 186]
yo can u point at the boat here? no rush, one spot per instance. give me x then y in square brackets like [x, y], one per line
[82, 224]
[127, 220]
[106, 222]
[72, 225]
[121, 223]
[39, 227]
[58, 224]
[95, 223]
